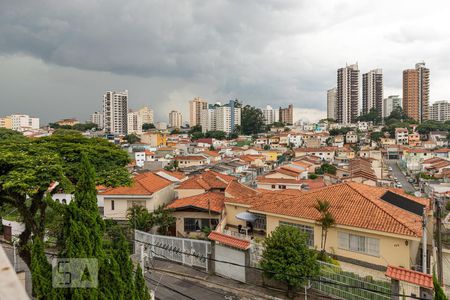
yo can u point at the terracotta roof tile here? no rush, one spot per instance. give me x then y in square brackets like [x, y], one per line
[352, 204]
[414, 277]
[207, 180]
[190, 157]
[143, 184]
[216, 202]
[229, 240]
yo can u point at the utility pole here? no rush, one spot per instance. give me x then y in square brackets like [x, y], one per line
[439, 241]
[424, 241]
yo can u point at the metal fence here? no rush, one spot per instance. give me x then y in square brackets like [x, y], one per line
[185, 251]
[334, 281]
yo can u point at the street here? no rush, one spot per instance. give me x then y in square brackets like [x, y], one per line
[407, 187]
[172, 288]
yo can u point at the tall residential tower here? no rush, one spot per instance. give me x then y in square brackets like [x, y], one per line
[195, 109]
[347, 94]
[115, 112]
[416, 92]
[332, 103]
[372, 93]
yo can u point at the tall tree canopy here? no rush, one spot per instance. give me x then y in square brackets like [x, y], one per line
[28, 167]
[252, 120]
[287, 257]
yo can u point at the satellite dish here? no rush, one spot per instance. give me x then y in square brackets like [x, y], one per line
[417, 194]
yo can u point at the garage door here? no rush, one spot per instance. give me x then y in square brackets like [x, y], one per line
[224, 253]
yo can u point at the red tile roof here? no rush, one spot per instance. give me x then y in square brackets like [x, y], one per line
[414, 277]
[352, 204]
[143, 184]
[190, 157]
[206, 181]
[229, 240]
[238, 190]
[215, 200]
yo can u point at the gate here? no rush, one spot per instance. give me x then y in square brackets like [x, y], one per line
[224, 253]
[185, 251]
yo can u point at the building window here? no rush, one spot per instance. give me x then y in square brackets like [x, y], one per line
[359, 243]
[309, 230]
[191, 224]
[260, 222]
[273, 186]
[112, 204]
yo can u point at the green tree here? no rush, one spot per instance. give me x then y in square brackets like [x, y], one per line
[196, 128]
[141, 288]
[252, 120]
[373, 116]
[139, 218]
[163, 218]
[326, 221]
[326, 168]
[132, 138]
[312, 176]
[287, 258]
[41, 272]
[216, 134]
[266, 147]
[376, 136]
[147, 126]
[438, 291]
[83, 228]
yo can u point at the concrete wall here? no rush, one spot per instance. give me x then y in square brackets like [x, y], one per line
[183, 193]
[232, 210]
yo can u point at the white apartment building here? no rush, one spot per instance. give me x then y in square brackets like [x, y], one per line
[146, 114]
[390, 103]
[134, 123]
[401, 136]
[270, 115]
[97, 118]
[208, 120]
[161, 125]
[195, 108]
[221, 117]
[21, 122]
[440, 111]
[175, 119]
[332, 103]
[115, 112]
[347, 94]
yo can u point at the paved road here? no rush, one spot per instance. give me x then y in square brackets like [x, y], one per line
[172, 288]
[407, 187]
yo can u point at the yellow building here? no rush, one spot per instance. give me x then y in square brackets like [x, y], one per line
[6, 122]
[375, 227]
[154, 139]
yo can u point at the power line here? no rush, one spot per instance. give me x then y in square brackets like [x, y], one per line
[169, 288]
[260, 269]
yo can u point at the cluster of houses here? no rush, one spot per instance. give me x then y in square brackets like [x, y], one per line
[278, 177]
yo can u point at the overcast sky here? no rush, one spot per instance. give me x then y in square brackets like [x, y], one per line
[58, 57]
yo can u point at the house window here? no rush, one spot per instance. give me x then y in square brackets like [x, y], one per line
[260, 222]
[273, 186]
[112, 204]
[309, 230]
[359, 243]
[196, 224]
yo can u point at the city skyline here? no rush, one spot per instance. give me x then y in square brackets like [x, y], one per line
[289, 63]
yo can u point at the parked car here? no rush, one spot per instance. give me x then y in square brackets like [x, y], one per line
[398, 185]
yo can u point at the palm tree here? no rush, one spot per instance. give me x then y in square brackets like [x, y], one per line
[326, 220]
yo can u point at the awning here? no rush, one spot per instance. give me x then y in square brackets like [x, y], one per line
[246, 216]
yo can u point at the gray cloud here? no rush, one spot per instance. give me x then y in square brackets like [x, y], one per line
[166, 52]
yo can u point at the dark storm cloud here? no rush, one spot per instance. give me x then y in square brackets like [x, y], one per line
[167, 51]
